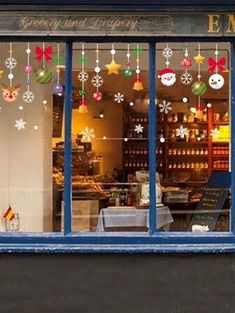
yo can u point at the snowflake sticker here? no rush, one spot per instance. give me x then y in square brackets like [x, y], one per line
[28, 96]
[10, 63]
[181, 132]
[87, 134]
[167, 52]
[186, 78]
[165, 107]
[97, 81]
[82, 76]
[215, 133]
[119, 97]
[20, 124]
[139, 128]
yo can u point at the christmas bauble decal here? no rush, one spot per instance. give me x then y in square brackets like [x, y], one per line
[58, 89]
[186, 63]
[199, 88]
[167, 76]
[216, 81]
[97, 96]
[43, 75]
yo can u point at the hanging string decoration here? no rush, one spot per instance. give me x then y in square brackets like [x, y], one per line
[186, 78]
[199, 87]
[113, 67]
[128, 71]
[138, 84]
[139, 128]
[165, 106]
[216, 81]
[58, 88]
[119, 97]
[167, 75]
[97, 80]
[83, 77]
[43, 75]
[28, 96]
[10, 93]
[20, 124]
[87, 134]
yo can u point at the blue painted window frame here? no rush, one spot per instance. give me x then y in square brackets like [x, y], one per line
[153, 241]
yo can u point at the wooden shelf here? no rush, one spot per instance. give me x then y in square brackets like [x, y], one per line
[218, 156]
[220, 123]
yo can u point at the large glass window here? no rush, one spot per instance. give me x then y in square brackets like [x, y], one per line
[30, 81]
[193, 138]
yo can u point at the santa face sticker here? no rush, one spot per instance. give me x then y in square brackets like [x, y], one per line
[216, 81]
[167, 76]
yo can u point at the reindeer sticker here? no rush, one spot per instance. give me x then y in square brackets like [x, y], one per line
[10, 93]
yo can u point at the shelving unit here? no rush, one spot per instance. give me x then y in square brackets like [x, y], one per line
[177, 159]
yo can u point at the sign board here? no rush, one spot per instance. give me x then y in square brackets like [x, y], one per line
[209, 207]
[117, 24]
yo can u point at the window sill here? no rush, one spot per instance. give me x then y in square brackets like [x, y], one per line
[95, 249]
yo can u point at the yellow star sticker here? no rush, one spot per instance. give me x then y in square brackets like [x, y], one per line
[113, 68]
[1, 73]
[199, 59]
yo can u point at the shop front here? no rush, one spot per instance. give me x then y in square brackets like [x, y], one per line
[117, 137]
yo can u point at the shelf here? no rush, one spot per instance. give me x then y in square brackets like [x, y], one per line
[220, 169]
[220, 123]
[186, 169]
[188, 156]
[189, 142]
[187, 123]
[220, 142]
[218, 156]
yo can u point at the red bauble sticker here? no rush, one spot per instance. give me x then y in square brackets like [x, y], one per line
[186, 63]
[97, 96]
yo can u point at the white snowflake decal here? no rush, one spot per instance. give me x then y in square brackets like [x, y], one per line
[139, 128]
[215, 133]
[119, 97]
[82, 76]
[181, 132]
[165, 107]
[186, 78]
[97, 81]
[20, 124]
[10, 63]
[167, 52]
[87, 134]
[28, 96]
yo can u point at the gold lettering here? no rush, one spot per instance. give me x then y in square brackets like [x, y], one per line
[231, 23]
[213, 23]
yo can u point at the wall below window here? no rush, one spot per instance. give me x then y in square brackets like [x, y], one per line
[117, 283]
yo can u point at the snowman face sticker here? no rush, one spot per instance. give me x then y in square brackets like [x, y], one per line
[168, 79]
[216, 81]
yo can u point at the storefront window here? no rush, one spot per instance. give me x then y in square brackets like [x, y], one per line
[193, 138]
[30, 79]
[110, 185]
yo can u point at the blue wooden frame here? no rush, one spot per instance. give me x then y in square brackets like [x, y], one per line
[159, 242]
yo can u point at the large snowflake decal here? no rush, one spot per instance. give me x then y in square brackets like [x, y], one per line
[82, 76]
[20, 124]
[97, 81]
[139, 128]
[28, 96]
[119, 97]
[186, 78]
[167, 52]
[10, 63]
[215, 133]
[165, 106]
[181, 132]
[87, 134]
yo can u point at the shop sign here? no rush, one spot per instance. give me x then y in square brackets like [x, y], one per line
[147, 24]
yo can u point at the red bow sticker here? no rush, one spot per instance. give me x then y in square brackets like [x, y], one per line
[40, 53]
[213, 64]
